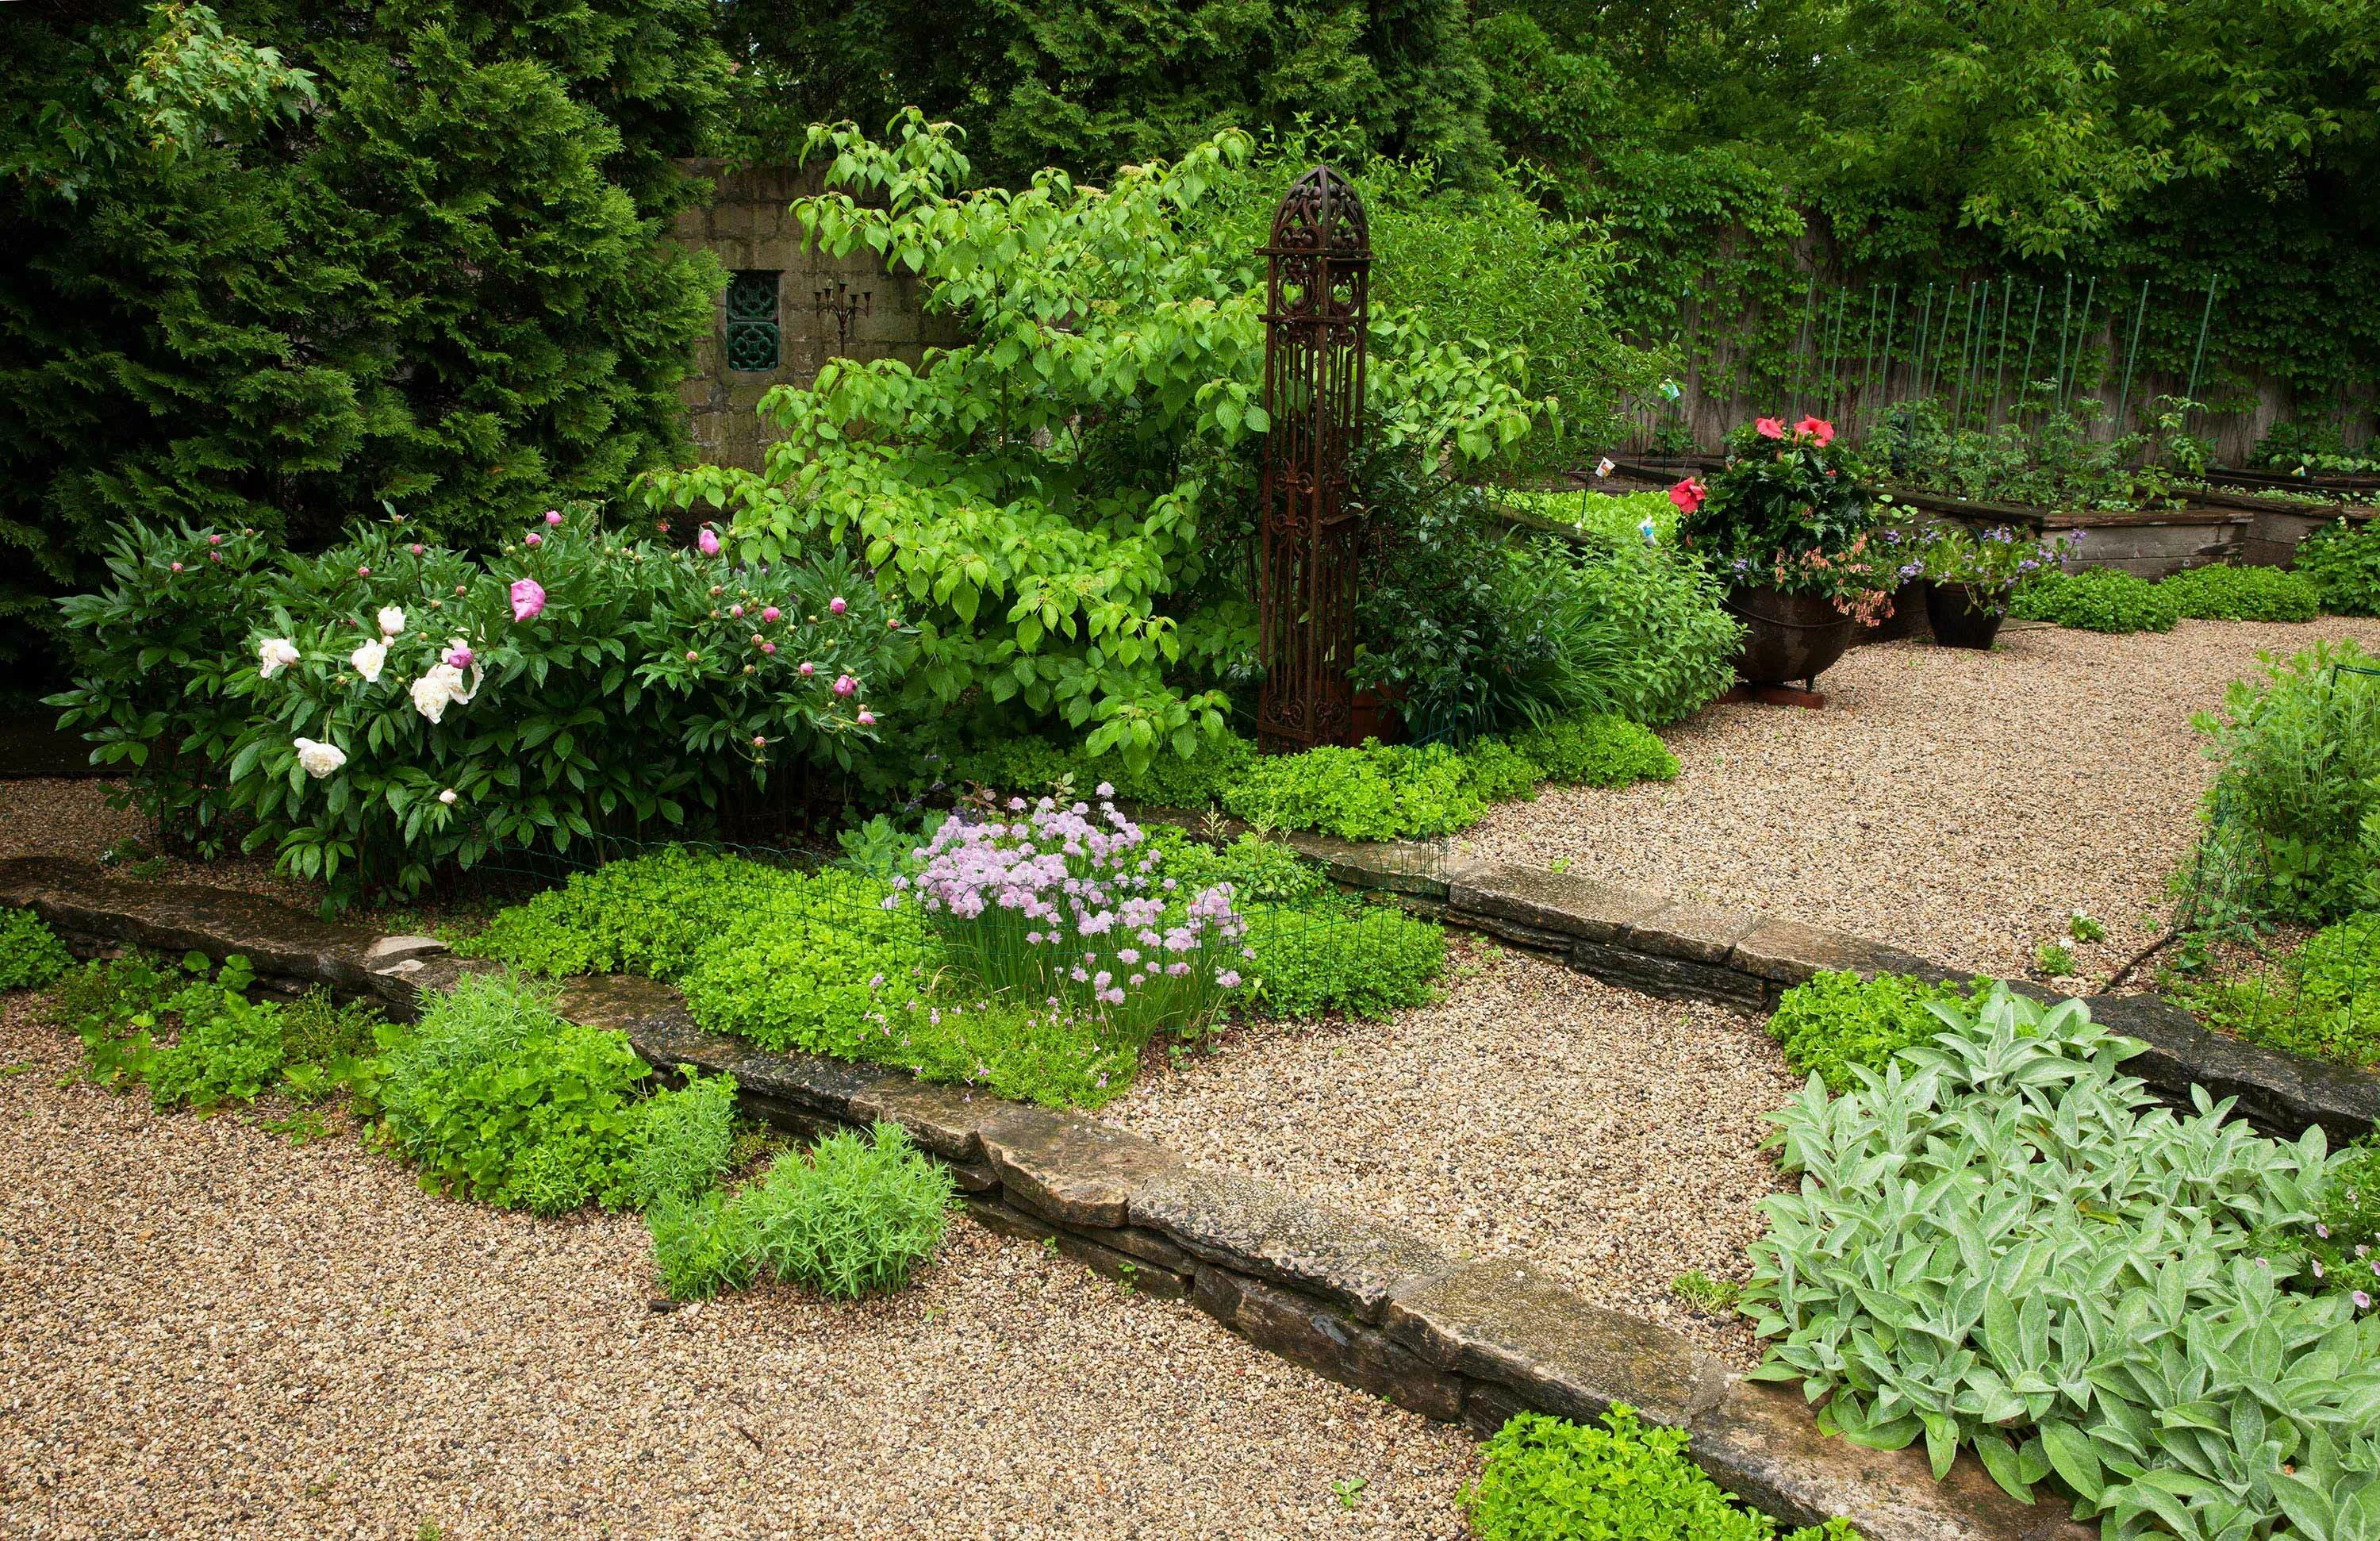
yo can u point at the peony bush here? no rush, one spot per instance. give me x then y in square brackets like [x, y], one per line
[389, 707]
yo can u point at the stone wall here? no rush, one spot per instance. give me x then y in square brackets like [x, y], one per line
[749, 226]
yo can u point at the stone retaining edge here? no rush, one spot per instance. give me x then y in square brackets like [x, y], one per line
[1361, 1303]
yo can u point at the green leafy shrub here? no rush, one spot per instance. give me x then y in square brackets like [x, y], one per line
[1598, 751]
[494, 1095]
[2221, 592]
[2003, 1242]
[646, 915]
[31, 954]
[229, 1049]
[685, 1141]
[2098, 599]
[1260, 871]
[390, 708]
[847, 1219]
[1548, 1479]
[1049, 501]
[1366, 960]
[1377, 792]
[1838, 1021]
[2342, 561]
[2324, 1002]
[1643, 630]
[2293, 819]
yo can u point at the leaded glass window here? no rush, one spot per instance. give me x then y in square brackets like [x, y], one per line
[752, 336]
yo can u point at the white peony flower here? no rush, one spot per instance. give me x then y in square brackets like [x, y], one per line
[447, 796]
[443, 684]
[392, 621]
[369, 660]
[274, 654]
[320, 759]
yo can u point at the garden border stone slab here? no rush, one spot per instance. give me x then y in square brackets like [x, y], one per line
[1357, 1300]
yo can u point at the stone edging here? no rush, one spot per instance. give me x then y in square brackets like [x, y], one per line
[1651, 942]
[1362, 1303]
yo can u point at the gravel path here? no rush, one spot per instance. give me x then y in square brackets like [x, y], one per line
[204, 1331]
[71, 818]
[1959, 804]
[1610, 1136]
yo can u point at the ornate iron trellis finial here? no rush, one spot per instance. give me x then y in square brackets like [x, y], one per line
[1318, 268]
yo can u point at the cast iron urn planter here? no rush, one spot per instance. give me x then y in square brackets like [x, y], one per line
[1962, 615]
[1787, 637]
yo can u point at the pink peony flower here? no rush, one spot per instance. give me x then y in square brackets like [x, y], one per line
[529, 599]
[363, 572]
[177, 566]
[771, 613]
[737, 611]
[836, 605]
[532, 538]
[459, 658]
[214, 539]
[415, 548]
[553, 516]
[708, 541]
[809, 669]
[844, 684]
[1816, 428]
[1769, 427]
[867, 718]
[1688, 495]
[769, 648]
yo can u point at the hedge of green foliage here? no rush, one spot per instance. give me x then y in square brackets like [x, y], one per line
[2222, 592]
[31, 954]
[2324, 1001]
[2293, 830]
[2342, 1246]
[1548, 1479]
[1377, 791]
[2005, 1243]
[849, 1217]
[2342, 561]
[1838, 1021]
[817, 962]
[2098, 599]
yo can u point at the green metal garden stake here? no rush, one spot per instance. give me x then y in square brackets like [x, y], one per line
[2065, 317]
[2204, 315]
[2132, 356]
[1917, 362]
[1999, 365]
[2024, 385]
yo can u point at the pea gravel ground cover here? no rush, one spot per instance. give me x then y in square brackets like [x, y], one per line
[1610, 1138]
[205, 1331]
[1959, 804]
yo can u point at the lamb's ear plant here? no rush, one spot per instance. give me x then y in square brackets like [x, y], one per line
[2002, 1243]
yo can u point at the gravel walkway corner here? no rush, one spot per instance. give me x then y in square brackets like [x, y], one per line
[72, 819]
[1959, 804]
[206, 1332]
[1612, 1137]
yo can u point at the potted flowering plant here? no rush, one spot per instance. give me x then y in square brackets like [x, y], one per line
[1972, 574]
[1789, 524]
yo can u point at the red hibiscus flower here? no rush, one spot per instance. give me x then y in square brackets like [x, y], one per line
[1770, 428]
[1688, 495]
[1816, 428]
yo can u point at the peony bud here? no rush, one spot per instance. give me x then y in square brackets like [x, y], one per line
[767, 647]
[844, 684]
[836, 604]
[532, 538]
[447, 796]
[553, 516]
[706, 542]
[274, 654]
[529, 599]
[363, 572]
[214, 539]
[771, 613]
[177, 566]
[867, 718]
[320, 759]
[809, 669]
[392, 621]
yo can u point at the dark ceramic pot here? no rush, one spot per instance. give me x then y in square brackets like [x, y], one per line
[1375, 717]
[1787, 637]
[1960, 616]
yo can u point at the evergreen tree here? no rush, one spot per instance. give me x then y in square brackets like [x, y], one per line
[286, 265]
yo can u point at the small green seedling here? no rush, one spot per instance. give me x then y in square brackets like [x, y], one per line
[2082, 928]
[1347, 1490]
[2054, 959]
[1715, 1297]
